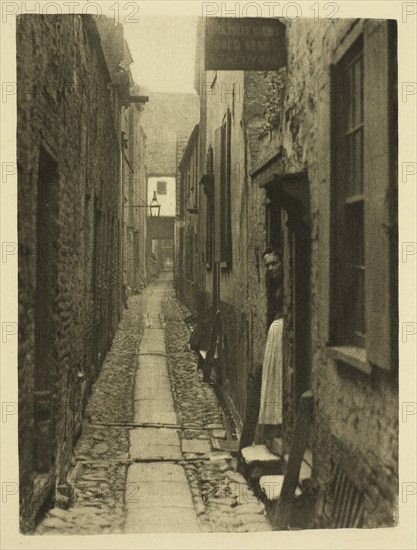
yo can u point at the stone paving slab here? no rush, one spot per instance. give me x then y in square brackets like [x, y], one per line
[164, 436]
[154, 305]
[155, 364]
[151, 390]
[153, 347]
[149, 360]
[154, 443]
[150, 376]
[161, 520]
[155, 322]
[150, 320]
[158, 375]
[146, 412]
[155, 392]
[155, 471]
[198, 446]
[151, 451]
[157, 405]
[153, 341]
[164, 494]
[152, 333]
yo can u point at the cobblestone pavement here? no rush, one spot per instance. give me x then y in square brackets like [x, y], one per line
[222, 497]
[101, 453]
[109, 471]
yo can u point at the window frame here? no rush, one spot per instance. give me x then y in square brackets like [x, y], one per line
[380, 169]
[348, 200]
[225, 193]
[209, 229]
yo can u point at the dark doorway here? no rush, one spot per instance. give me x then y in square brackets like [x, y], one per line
[274, 242]
[302, 307]
[96, 288]
[45, 314]
[291, 230]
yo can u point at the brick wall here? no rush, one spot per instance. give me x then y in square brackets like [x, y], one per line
[69, 231]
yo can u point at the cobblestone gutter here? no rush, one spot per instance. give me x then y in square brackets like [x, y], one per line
[223, 500]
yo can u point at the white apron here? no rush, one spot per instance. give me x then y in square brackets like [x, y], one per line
[270, 411]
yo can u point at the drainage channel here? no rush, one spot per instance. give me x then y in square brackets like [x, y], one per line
[231, 422]
[130, 425]
[104, 462]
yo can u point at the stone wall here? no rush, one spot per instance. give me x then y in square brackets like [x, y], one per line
[356, 414]
[69, 233]
[135, 194]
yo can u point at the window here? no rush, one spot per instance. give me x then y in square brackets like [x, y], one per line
[209, 213]
[363, 189]
[190, 257]
[136, 248]
[161, 187]
[225, 194]
[350, 192]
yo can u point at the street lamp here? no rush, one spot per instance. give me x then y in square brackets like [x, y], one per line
[155, 207]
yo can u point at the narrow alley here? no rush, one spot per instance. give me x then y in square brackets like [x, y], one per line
[207, 252]
[145, 462]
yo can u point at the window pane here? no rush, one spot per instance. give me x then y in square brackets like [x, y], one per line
[348, 165]
[355, 230]
[349, 204]
[357, 91]
[354, 163]
[357, 162]
[349, 97]
[358, 314]
[355, 259]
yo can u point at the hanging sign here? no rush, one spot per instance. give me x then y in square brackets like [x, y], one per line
[244, 44]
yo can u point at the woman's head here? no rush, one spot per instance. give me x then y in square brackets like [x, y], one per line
[272, 261]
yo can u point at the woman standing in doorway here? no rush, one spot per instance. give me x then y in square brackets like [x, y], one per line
[270, 411]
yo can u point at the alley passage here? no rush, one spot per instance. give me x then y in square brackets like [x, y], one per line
[164, 502]
[144, 462]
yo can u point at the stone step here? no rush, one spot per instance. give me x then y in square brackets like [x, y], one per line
[259, 454]
[271, 485]
[259, 461]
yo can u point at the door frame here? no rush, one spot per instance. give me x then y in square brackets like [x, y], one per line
[291, 193]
